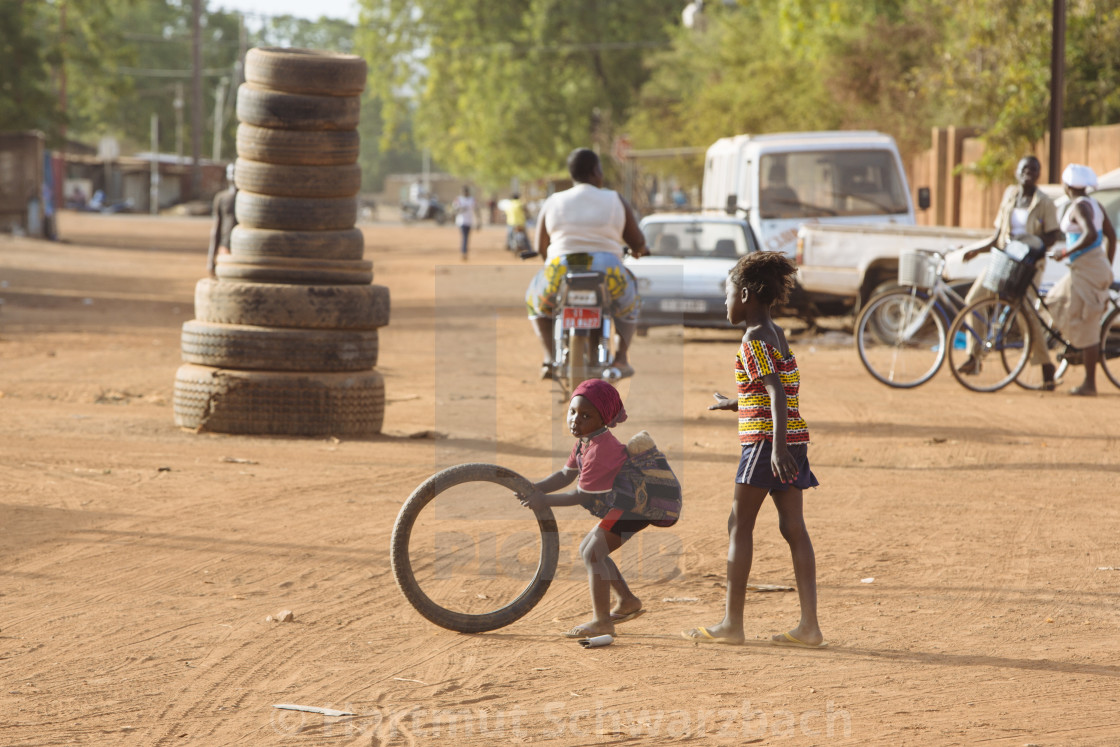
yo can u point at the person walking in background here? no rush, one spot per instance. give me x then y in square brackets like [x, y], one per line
[225, 219]
[466, 211]
[1025, 214]
[1078, 300]
[775, 441]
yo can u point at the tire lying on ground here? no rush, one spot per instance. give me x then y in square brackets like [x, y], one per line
[279, 403]
[295, 213]
[284, 305]
[296, 111]
[295, 270]
[248, 244]
[282, 180]
[277, 348]
[297, 147]
[306, 71]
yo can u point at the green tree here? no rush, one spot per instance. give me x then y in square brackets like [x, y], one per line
[504, 88]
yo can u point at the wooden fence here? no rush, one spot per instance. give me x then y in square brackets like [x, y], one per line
[960, 199]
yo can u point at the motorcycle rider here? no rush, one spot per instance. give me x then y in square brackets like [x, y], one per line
[515, 221]
[584, 228]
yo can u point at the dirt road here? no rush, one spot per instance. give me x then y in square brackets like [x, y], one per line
[966, 544]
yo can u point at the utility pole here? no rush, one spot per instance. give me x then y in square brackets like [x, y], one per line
[153, 179]
[219, 110]
[178, 122]
[196, 99]
[1057, 87]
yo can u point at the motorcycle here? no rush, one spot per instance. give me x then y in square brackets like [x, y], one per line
[518, 242]
[414, 211]
[582, 332]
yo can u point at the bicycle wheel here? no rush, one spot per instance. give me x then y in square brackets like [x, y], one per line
[1030, 378]
[991, 344]
[462, 552]
[900, 335]
[1110, 346]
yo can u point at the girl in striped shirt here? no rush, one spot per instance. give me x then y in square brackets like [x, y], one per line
[774, 439]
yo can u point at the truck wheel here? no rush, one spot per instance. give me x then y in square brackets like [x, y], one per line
[306, 71]
[278, 349]
[284, 305]
[295, 111]
[297, 147]
[248, 244]
[272, 403]
[401, 559]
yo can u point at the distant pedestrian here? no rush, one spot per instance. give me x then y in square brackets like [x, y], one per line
[466, 212]
[224, 221]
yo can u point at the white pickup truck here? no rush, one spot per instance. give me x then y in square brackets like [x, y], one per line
[843, 266]
[779, 182]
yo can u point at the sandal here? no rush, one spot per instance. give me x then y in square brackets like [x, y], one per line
[546, 371]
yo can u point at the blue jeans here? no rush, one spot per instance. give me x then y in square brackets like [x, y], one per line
[466, 232]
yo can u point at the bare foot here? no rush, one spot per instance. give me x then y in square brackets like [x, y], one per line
[1083, 391]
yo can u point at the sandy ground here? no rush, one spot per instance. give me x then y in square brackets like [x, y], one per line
[966, 544]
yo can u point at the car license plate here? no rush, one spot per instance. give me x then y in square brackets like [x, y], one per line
[688, 305]
[576, 318]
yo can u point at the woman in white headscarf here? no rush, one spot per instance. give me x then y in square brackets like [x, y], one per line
[1078, 300]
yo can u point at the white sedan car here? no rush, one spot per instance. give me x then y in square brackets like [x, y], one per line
[682, 279]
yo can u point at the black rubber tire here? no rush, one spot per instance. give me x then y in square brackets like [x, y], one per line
[272, 403]
[292, 270]
[278, 349]
[306, 71]
[1110, 347]
[402, 565]
[298, 147]
[282, 180]
[296, 111]
[283, 305]
[576, 370]
[248, 244]
[295, 213]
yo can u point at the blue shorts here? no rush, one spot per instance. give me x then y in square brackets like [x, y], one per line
[754, 467]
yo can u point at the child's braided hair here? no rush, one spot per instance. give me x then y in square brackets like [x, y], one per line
[768, 275]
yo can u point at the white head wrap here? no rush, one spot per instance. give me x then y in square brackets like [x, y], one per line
[1079, 177]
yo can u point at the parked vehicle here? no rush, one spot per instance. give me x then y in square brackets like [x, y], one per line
[682, 279]
[430, 209]
[844, 266]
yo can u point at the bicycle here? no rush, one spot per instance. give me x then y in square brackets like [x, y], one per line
[902, 333]
[999, 329]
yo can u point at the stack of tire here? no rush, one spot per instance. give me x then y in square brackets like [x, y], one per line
[284, 340]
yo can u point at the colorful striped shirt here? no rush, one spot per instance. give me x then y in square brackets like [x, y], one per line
[755, 360]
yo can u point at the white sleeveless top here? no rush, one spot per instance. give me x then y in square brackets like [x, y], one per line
[584, 219]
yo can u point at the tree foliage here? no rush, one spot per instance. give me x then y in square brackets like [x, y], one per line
[504, 88]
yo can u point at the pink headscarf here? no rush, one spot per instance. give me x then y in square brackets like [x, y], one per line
[605, 399]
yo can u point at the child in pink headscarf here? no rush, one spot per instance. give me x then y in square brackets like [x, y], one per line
[598, 459]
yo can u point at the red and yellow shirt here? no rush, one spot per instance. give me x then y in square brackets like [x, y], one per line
[755, 360]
